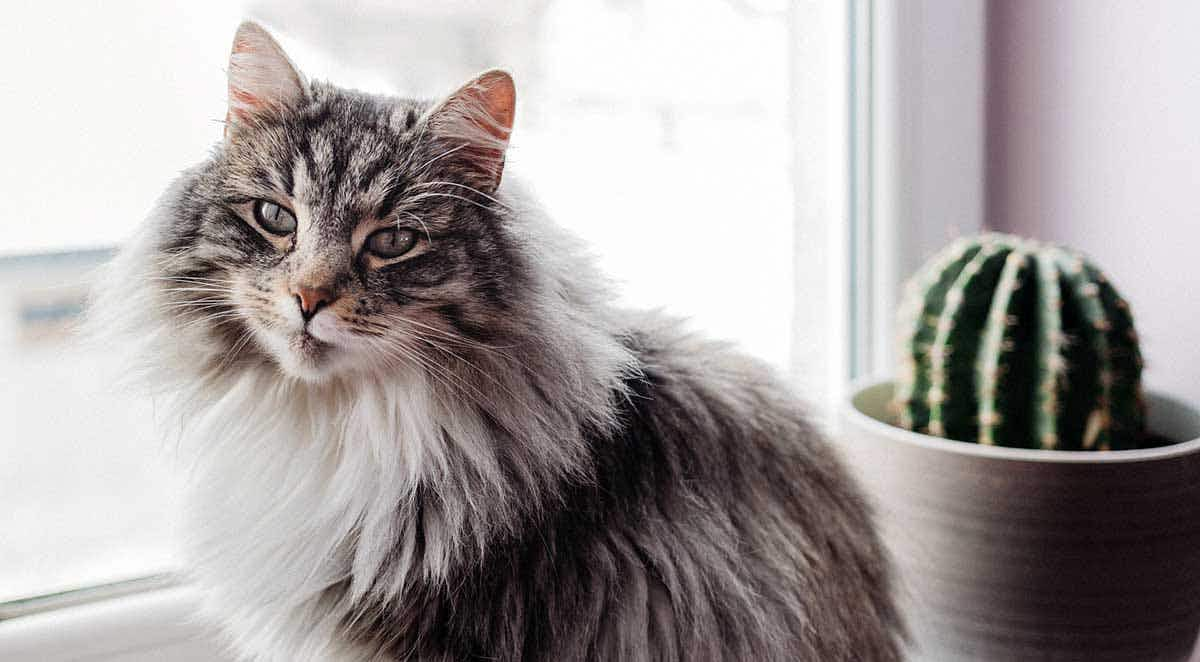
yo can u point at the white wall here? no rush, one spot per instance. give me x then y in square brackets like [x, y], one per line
[1094, 141]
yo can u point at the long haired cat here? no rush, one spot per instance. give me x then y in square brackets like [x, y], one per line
[418, 428]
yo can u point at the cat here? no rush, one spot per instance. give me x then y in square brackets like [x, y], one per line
[418, 427]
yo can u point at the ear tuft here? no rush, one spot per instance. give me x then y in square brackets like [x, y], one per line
[479, 115]
[262, 80]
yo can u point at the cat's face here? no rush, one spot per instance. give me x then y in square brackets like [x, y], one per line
[336, 231]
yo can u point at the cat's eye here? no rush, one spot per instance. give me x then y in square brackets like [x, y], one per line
[392, 242]
[274, 218]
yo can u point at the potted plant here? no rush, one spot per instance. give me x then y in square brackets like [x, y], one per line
[1036, 505]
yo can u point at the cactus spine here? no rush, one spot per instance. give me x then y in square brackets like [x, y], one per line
[1009, 342]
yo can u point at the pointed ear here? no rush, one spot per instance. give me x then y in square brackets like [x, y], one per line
[480, 117]
[262, 80]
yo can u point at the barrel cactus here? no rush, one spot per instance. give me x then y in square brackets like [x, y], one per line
[1006, 341]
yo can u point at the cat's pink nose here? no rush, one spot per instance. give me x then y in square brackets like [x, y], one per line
[312, 299]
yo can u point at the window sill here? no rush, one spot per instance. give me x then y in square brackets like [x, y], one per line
[159, 623]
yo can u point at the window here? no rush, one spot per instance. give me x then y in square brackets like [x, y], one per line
[87, 498]
[662, 131]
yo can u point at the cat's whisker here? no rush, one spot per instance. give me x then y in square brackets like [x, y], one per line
[186, 307]
[172, 284]
[462, 384]
[175, 284]
[404, 319]
[410, 356]
[435, 194]
[182, 277]
[469, 188]
[425, 165]
[496, 349]
[432, 342]
[212, 321]
[216, 319]
[191, 294]
[476, 370]
[208, 301]
[235, 351]
[200, 282]
[465, 344]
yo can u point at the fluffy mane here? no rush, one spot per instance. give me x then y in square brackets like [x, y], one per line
[328, 476]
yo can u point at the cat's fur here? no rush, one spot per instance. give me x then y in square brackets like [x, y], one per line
[471, 453]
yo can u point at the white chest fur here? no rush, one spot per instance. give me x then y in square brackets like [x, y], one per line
[297, 489]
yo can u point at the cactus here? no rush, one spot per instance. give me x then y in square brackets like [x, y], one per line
[1005, 341]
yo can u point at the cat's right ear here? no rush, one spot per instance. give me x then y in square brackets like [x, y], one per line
[479, 116]
[262, 80]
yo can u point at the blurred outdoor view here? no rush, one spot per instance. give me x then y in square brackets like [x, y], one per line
[656, 129]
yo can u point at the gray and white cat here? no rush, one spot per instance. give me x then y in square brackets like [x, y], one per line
[419, 429]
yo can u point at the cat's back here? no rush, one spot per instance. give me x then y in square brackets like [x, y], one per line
[743, 509]
[711, 397]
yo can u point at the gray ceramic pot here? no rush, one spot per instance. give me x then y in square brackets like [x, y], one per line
[1007, 554]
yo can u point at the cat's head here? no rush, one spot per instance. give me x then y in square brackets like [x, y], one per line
[335, 231]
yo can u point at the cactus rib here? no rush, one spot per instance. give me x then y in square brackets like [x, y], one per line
[923, 305]
[952, 407]
[997, 356]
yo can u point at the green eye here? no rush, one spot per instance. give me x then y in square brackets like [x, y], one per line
[392, 242]
[273, 218]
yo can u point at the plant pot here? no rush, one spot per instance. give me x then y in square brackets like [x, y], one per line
[1015, 554]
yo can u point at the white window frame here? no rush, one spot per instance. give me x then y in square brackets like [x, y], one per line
[819, 102]
[917, 146]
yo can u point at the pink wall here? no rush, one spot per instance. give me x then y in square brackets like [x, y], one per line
[1093, 140]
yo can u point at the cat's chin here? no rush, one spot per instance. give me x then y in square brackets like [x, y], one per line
[305, 357]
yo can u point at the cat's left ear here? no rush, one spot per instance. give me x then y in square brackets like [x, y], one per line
[479, 116]
[262, 80]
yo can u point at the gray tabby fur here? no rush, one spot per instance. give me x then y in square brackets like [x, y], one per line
[488, 459]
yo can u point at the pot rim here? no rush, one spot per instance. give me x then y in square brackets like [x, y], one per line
[851, 412]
